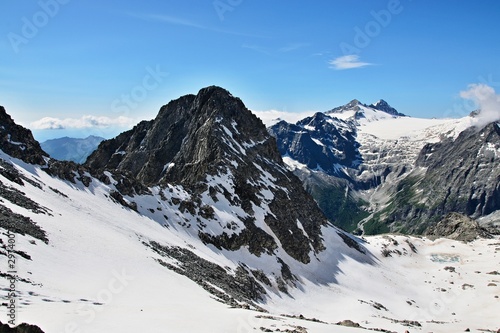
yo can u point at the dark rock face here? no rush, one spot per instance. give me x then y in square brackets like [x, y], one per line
[459, 176]
[465, 172]
[20, 224]
[212, 137]
[18, 141]
[21, 328]
[188, 138]
[320, 142]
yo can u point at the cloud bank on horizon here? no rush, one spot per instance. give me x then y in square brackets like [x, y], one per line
[484, 97]
[86, 121]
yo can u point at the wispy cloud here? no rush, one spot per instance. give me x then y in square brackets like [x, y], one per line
[169, 19]
[347, 62]
[87, 121]
[273, 50]
[188, 23]
[292, 47]
[257, 48]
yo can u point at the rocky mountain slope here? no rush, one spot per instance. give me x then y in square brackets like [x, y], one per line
[18, 141]
[71, 149]
[222, 155]
[104, 247]
[454, 175]
[384, 189]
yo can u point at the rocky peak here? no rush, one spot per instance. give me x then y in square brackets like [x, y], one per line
[18, 141]
[458, 227]
[188, 139]
[359, 110]
[353, 105]
[382, 105]
[218, 151]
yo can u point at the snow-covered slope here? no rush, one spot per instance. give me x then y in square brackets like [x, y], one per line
[96, 274]
[209, 232]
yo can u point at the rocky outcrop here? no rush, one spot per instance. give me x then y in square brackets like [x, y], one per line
[240, 288]
[18, 141]
[458, 227]
[21, 328]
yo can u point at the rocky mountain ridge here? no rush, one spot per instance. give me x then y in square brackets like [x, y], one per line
[384, 191]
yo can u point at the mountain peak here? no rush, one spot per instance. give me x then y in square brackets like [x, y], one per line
[216, 149]
[382, 105]
[192, 134]
[354, 105]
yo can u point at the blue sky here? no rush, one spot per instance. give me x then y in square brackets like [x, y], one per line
[96, 67]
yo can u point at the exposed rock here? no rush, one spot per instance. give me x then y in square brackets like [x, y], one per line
[20, 199]
[458, 175]
[319, 142]
[20, 224]
[459, 227]
[21, 328]
[242, 287]
[18, 141]
[384, 106]
[69, 171]
[348, 323]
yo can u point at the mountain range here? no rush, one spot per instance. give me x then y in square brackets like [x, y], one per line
[71, 149]
[196, 221]
[373, 170]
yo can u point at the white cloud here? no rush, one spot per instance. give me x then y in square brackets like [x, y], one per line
[87, 121]
[486, 100]
[347, 62]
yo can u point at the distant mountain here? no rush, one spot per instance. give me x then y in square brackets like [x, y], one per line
[71, 149]
[372, 169]
[320, 142]
[382, 105]
[358, 113]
